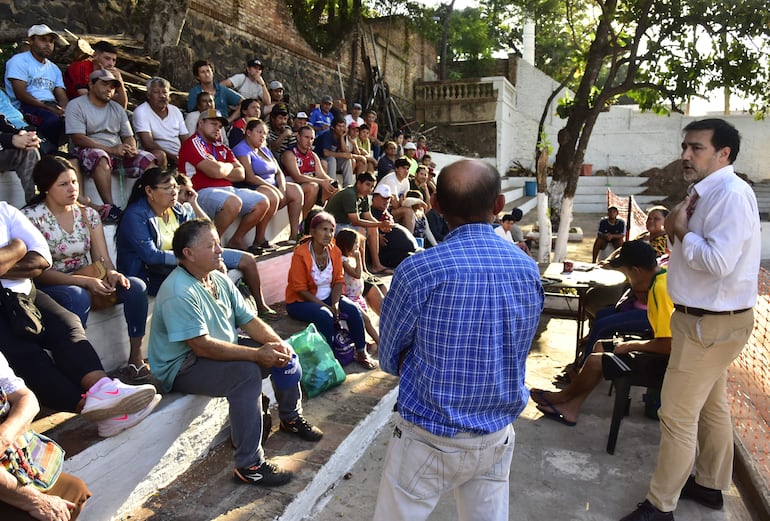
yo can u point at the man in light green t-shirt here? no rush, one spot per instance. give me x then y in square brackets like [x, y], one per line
[194, 349]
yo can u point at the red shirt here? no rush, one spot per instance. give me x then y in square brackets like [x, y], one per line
[305, 162]
[76, 77]
[194, 150]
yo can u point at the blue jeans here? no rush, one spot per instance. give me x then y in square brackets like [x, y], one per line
[78, 301]
[49, 126]
[608, 322]
[324, 321]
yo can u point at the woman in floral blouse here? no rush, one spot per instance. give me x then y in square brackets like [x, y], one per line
[76, 239]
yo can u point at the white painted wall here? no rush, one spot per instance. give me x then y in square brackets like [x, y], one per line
[623, 137]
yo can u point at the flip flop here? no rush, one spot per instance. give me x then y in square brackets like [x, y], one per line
[555, 415]
[139, 374]
[270, 316]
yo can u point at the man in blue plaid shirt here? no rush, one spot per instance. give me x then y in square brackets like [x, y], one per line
[456, 326]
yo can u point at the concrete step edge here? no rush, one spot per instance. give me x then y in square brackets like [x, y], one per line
[319, 491]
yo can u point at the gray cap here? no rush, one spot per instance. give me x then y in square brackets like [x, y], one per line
[327, 99]
[275, 84]
[102, 74]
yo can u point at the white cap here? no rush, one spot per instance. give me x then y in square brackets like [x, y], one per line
[40, 30]
[382, 190]
[301, 115]
[410, 146]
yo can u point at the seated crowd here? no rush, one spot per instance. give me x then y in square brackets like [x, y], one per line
[219, 166]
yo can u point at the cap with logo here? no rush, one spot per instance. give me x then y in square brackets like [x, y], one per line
[382, 190]
[280, 109]
[212, 114]
[254, 63]
[301, 115]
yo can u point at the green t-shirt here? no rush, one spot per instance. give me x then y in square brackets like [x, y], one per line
[184, 309]
[347, 201]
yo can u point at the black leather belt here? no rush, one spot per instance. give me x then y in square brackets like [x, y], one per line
[698, 312]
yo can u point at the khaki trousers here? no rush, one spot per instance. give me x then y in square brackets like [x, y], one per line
[420, 467]
[694, 414]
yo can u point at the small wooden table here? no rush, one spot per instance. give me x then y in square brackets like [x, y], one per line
[583, 277]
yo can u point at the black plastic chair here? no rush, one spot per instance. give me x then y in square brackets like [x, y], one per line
[649, 369]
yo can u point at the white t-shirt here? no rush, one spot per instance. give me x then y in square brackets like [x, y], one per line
[349, 120]
[41, 78]
[397, 188]
[245, 86]
[505, 234]
[165, 131]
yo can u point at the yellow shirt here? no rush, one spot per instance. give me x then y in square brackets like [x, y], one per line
[659, 306]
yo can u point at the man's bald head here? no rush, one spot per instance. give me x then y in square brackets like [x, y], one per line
[468, 191]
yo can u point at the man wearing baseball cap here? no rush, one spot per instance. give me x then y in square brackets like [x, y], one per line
[321, 117]
[355, 115]
[103, 140]
[275, 91]
[637, 260]
[280, 137]
[36, 87]
[250, 84]
[213, 169]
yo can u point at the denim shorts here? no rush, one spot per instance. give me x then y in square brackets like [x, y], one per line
[231, 258]
[212, 200]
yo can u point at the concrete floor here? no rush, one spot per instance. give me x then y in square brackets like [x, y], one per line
[558, 472]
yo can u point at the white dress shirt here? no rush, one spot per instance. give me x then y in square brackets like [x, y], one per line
[13, 225]
[716, 266]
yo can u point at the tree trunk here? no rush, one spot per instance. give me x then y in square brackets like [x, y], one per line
[445, 40]
[164, 28]
[544, 225]
[560, 248]
[176, 64]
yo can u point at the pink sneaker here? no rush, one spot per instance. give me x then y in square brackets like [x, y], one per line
[118, 424]
[114, 398]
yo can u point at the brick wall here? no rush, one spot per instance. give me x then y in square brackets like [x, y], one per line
[229, 32]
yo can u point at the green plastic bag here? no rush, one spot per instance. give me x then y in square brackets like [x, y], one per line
[320, 369]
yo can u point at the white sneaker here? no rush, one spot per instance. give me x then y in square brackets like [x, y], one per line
[118, 424]
[115, 399]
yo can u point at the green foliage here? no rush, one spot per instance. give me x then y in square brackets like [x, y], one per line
[325, 24]
[7, 50]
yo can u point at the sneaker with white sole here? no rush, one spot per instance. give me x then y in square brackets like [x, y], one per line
[118, 424]
[267, 474]
[114, 398]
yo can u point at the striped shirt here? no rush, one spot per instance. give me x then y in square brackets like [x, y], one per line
[462, 315]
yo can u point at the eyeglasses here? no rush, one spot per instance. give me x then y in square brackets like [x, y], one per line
[170, 188]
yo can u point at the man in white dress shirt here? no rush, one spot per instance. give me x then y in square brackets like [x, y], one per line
[712, 280]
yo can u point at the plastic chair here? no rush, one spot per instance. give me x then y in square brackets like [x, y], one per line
[649, 369]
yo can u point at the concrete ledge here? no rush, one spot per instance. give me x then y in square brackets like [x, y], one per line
[753, 487]
[124, 470]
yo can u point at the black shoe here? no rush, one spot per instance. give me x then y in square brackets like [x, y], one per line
[646, 512]
[708, 497]
[302, 428]
[267, 474]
